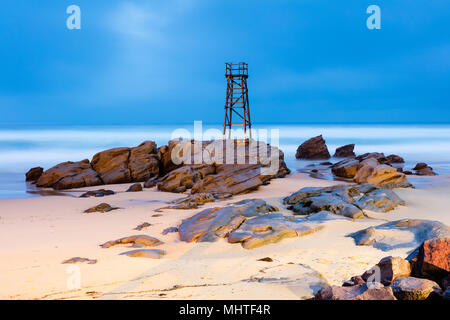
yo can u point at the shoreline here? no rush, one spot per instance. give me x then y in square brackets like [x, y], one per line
[38, 233]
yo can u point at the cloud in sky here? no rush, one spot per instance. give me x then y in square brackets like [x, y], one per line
[163, 61]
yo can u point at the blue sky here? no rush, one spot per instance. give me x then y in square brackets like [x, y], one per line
[149, 62]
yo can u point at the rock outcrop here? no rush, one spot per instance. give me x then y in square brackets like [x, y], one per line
[34, 174]
[400, 234]
[358, 292]
[346, 200]
[313, 149]
[422, 169]
[410, 288]
[345, 151]
[69, 175]
[183, 178]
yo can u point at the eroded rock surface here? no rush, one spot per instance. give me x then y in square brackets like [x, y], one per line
[192, 201]
[313, 149]
[102, 207]
[135, 188]
[357, 292]
[97, 193]
[34, 174]
[400, 234]
[345, 151]
[389, 269]
[135, 241]
[345, 200]
[410, 288]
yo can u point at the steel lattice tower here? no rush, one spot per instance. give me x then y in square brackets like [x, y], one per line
[237, 98]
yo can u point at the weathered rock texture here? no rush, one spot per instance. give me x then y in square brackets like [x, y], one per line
[410, 288]
[346, 200]
[345, 151]
[400, 234]
[358, 292]
[135, 241]
[313, 149]
[390, 268]
[97, 193]
[192, 201]
[145, 253]
[34, 174]
[250, 222]
[102, 207]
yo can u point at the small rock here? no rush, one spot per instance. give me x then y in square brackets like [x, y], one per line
[393, 158]
[150, 183]
[97, 193]
[345, 151]
[34, 174]
[354, 281]
[102, 207]
[420, 165]
[169, 230]
[136, 241]
[135, 188]
[145, 253]
[266, 259]
[79, 260]
[410, 288]
[156, 215]
[142, 226]
[428, 171]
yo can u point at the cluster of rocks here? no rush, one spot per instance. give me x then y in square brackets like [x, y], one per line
[224, 167]
[345, 200]
[252, 223]
[423, 275]
[374, 168]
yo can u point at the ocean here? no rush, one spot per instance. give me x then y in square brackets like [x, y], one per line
[23, 148]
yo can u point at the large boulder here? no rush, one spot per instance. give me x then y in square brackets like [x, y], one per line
[345, 168]
[410, 288]
[432, 259]
[400, 234]
[68, 175]
[183, 178]
[112, 165]
[389, 269]
[143, 162]
[346, 200]
[381, 175]
[345, 151]
[34, 174]
[313, 149]
[358, 292]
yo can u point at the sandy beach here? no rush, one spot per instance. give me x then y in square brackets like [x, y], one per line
[37, 234]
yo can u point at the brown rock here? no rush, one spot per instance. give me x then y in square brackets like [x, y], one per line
[345, 168]
[428, 171]
[68, 175]
[181, 179]
[354, 281]
[136, 241]
[152, 182]
[144, 162]
[410, 288]
[102, 207]
[420, 166]
[34, 174]
[393, 158]
[79, 260]
[266, 259]
[390, 269]
[358, 292]
[313, 149]
[97, 193]
[380, 175]
[374, 155]
[145, 253]
[142, 226]
[345, 151]
[112, 165]
[192, 201]
[135, 188]
[433, 259]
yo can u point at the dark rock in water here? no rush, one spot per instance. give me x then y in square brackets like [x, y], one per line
[345, 168]
[432, 259]
[102, 207]
[192, 201]
[410, 288]
[393, 158]
[354, 281]
[34, 174]
[145, 253]
[420, 166]
[374, 155]
[407, 172]
[400, 234]
[181, 179]
[345, 151]
[69, 175]
[428, 171]
[169, 230]
[266, 259]
[142, 226]
[389, 269]
[212, 224]
[97, 193]
[136, 241]
[150, 183]
[326, 163]
[79, 260]
[358, 292]
[269, 228]
[135, 188]
[313, 149]
[345, 200]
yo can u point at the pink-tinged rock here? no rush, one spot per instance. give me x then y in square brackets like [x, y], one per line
[390, 268]
[358, 292]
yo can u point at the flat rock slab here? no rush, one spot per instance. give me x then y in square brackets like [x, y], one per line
[97, 193]
[270, 228]
[410, 288]
[102, 207]
[192, 201]
[145, 253]
[345, 200]
[79, 260]
[142, 226]
[212, 224]
[136, 241]
[400, 234]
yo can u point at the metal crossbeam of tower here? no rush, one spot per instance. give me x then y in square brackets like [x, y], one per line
[236, 102]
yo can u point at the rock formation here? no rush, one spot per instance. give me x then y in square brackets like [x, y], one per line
[345, 151]
[313, 149]
[34, 174]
